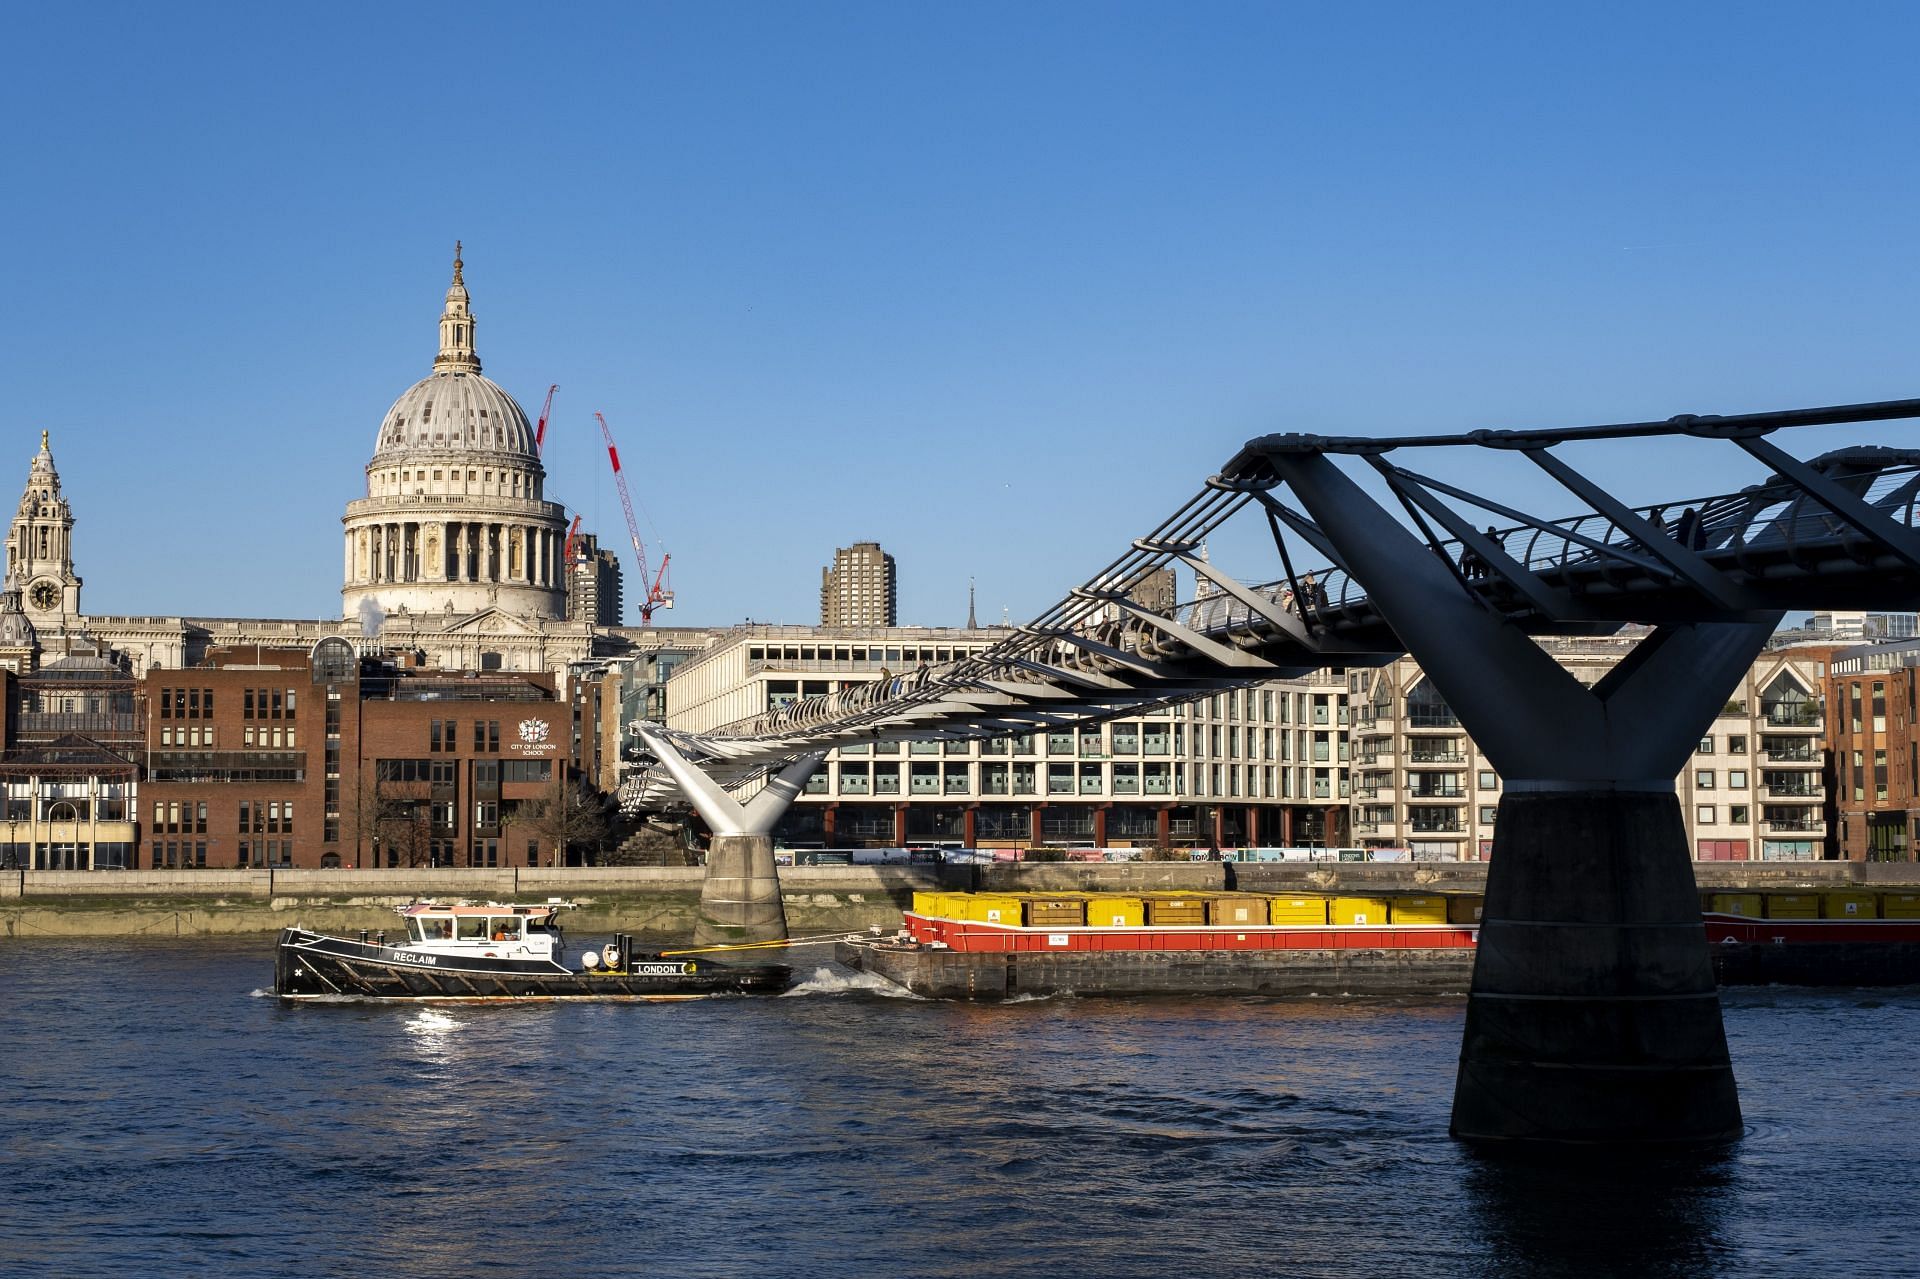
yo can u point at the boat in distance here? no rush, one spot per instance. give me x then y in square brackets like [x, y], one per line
[498, 951]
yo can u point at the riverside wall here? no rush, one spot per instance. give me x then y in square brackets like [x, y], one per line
[661, 903]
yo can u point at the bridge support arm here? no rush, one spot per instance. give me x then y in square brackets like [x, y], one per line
[740, 896]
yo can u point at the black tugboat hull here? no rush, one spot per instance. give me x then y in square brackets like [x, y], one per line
[314, 966]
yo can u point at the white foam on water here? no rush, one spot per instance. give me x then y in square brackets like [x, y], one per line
[843, 981]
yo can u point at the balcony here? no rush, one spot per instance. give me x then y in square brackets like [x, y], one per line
[1791, 714]
[1428, 719]
[1794, 791]
[1807, 755]
[1416, 759]
[1449, 794]
[1793, 825]
[1420, 827]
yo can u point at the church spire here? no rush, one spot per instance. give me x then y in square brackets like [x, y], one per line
[456, 326]
[972, 623]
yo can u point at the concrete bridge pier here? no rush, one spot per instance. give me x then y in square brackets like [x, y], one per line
[1593, 1015]
[740, 897]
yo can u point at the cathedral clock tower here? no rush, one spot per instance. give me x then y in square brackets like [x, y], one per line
[40, 546]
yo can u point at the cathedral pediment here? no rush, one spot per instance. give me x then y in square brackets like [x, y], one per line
[492, 621]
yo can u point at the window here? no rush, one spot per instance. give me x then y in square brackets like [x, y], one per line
[1703, 779]
[1704, 814]
[1739, 814]
[1489, 781]
[1736, 744]
[1706, 745]
[1736, 779]
[1487, 815]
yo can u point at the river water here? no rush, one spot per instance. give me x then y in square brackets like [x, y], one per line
[164, 1116]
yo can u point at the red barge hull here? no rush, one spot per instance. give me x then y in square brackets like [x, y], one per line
[964, 959]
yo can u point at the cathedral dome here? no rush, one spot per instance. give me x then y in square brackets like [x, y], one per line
[455, 519]
[454, 412]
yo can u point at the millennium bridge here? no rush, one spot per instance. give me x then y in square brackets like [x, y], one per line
[1593, 1014]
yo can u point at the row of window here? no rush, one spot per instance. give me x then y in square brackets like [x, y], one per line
[201, 736]
[186, 703]
[443, 736]
[267, 703]
[1220, 781]
[189, 817]
[264, 817]
[488, 774]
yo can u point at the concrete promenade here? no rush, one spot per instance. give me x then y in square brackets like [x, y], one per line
[663, 903]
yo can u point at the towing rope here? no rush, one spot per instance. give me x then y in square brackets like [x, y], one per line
[820, 940]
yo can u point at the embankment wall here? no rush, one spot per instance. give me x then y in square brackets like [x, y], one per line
[661, 902]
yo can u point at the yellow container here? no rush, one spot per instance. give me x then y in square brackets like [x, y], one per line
[1115, 912]
[1747, 904]
[990, 908]
[1900, 906]
[1793, 906]
[1360, 910]
[1297, 910]
[1056, 912]
[1237, 910]
[1417, 910]
[1177, 911]
[1850, 905]
[934, 905]
[1464, 910]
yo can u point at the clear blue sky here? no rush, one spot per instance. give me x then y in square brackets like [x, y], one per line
[997, 285]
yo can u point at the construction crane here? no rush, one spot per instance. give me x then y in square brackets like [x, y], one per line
[540, 431]
[654, 594]
[566, 552]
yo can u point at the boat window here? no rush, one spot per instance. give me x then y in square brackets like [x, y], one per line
[507, 929]
[414, 931]
[432, 929]
[473, 928]
[539, 926]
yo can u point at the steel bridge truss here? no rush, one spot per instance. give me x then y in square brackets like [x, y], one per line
[1833, 531]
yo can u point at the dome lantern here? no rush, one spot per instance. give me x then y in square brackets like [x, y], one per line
[457, 354]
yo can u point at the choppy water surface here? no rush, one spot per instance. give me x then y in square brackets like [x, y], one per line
[162, 1116]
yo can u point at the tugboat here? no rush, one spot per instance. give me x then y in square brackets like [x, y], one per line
[497, 951]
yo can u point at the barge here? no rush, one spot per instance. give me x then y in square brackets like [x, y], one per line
[999, 945]
[497, 951]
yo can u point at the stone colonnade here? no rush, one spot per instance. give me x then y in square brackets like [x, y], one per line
[501, 551]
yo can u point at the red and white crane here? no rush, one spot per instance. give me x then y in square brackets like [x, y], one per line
[540, 431]
[655, 593]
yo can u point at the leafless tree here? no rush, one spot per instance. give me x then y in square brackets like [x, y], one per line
[571, 814]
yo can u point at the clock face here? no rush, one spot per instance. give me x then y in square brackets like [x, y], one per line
[45, 595]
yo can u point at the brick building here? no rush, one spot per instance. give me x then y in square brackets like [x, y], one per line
[325, 757]
[1873, 738]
